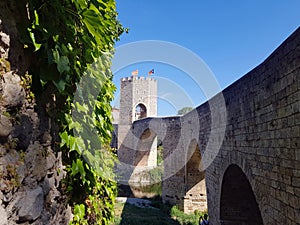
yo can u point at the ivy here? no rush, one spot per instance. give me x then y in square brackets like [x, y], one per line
[71, 44]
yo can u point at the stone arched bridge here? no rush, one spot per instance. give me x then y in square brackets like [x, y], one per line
[245, 142]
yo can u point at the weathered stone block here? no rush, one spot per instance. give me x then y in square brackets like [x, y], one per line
[23, 132]
[31, 205]
[5, 126]
[295, 181]
[13, 93]
[3, 216]
[35, 160]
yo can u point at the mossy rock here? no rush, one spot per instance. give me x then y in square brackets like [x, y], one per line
[4, 66]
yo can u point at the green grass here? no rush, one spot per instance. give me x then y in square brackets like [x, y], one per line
[131, 215]
[182, 218]
[164, 215]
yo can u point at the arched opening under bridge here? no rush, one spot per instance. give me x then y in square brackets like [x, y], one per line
[238, 204]
[195, 186]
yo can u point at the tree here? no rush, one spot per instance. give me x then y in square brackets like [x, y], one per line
[184, 110]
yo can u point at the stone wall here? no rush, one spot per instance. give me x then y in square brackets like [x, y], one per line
[31, 169]
[263, 138]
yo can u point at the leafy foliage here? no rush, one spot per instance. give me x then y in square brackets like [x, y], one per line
[71, 42]
[183, 218]
[184, 110]
[160, 159]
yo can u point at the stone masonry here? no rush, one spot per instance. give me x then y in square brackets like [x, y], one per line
[250, 160]
[138, 100]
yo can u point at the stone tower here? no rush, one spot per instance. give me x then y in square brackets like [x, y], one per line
[138, 99]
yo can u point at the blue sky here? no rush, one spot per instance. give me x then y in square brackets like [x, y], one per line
[231, 37]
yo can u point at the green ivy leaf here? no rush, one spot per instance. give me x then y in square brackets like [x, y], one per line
[79, 212]
[75, 125]
[81, 108]
[63, 64]
[36, 45]
[64, 139]
[92, 21]
[60, 85]
[77, 167]
[80, 146]
[72, 144]
[61, 61]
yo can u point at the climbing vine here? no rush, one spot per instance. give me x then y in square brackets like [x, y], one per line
[71, 44]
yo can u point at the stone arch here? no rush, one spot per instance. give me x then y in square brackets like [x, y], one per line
[146, 150]
[140, 111]
[238, 205]
[195, 186]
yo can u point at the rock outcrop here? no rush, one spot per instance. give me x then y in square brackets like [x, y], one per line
[31, 171]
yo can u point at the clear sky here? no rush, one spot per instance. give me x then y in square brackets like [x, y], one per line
[231, 37]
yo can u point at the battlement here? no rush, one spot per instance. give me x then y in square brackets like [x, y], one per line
[131, 78]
